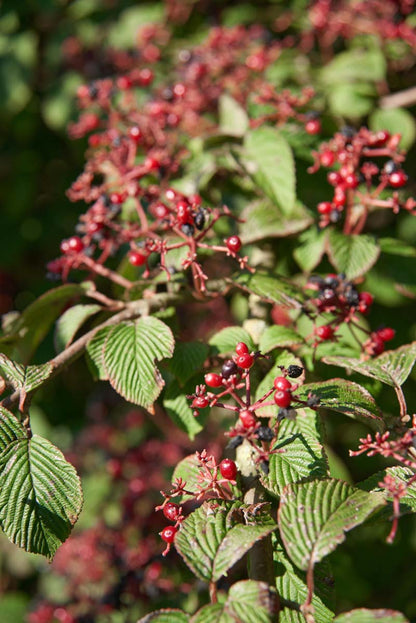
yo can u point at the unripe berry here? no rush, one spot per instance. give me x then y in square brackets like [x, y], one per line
[280, 382]
[151, 164]
[72, 245]
[247, 419]
[324, 332]
[386, 334]
[183, 212]
[334, 178]
[136, 258]
[325, 207]
[398, 179]
[171, 511]
[241, 348]
[213, 380]
[135, 134]
[168, 534]
[282, 398]
[339, 196]
[245, 361]
[228, 469]
[200, 402]
[351, 180]
[233, 244]
[327, 158]
[313, 126]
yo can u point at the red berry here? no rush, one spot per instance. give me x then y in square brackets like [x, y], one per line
[386, 334]
[245, 361]
[351, 180]
[325, 207]
[168, 534]
[124, 82]
[247, 419]
[365, 302]
[159, 211]
[233, 244]
[282, 398]
[324, 332]
[327, 158]
[136, 258]
[135, 134]
[151, 164]
[397, 179]
[170, 194]
[213, 380]
[117, 198]
[145, 76]
[228, 469]
[381, 137]
[179, 89]
[241, 348]
[72, 245]
[171, 511]
[183, 212]
[313, 126]
[281, 382]
[200, 402]
[334, 178]
[339, 196]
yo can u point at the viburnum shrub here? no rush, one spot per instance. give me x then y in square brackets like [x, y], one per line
[245, 228]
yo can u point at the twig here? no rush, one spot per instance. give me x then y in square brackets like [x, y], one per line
[407, 97]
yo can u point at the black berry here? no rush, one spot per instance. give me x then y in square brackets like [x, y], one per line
[235, 442]
[264, 433]
[187, 229]
[294, 371]
[229, 368]
[199, 219]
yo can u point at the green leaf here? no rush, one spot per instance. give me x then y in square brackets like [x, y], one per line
[300, 457]
[392, 367]
[392, 246]
[40, 492]
[395, 121]
[363, 615]
[355, 65]
[10, 429]
[310, 249]
[247, 601]
[187, 359]
[271, 289]
[292, 587]
[273, 166]
[352, 255]
[278, 336]
[232, 116]
[346, 397]
[226, 340]
[314, 516]
[70, 322]
[352, 100]
[168, 615]
[401, 475]
[263, 219]
[213, 538]
[30, 328]
[130, 352]
[188, 470]
[95, 351]
[178, 408]
[24, 378]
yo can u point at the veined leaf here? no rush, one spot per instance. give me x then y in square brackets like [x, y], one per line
[232, 116]
[130, 352]
[272, 289]
[392, 367]
[314, 516]
[273, 166]
[178, 408]
[364, 615]
[226, 340]
[24, 378]
[70, 322]
[168, 615]
[278, 336]
[95, 350]
[40, 492]
[264, 219]
[311, 248]
[187, 359]
[346, 397]
[401, 475]
[353, 255]
[248, 601]
[214, 537]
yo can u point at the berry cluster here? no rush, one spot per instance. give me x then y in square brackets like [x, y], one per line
[339, 299]
[359, 179]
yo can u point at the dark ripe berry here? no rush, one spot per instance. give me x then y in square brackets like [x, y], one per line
[328, 297]
[233, 244]
[183, 212]
[241, 348]
[313, 126]
[171, 511]
[200, 402]
[282, 398]
[136, 258]
[294, 371]
[340, 196]
[228, 469]
[135, 134]
[313, 401]
[264, 433]
[347, 131]
[168, 534]
[352, 297]
[386, 334]
[247, 419]
[334, 178]
[390, 167]
[167, 94]
[327, 158]
[265, 467]
[324, 332]
[199, 220]
[213, 380]
[325, 207]
[235, 442]
[229, 368]
[187, 229]
[280, 382]
[397, 179]
[245, 361]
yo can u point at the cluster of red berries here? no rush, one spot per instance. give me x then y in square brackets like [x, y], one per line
[340, 297]
[358, 181]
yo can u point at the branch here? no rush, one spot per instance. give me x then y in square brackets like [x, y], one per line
[407, 97]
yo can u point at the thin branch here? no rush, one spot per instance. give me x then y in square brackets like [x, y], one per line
[407, 97]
